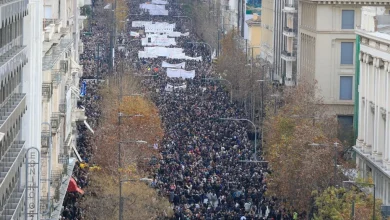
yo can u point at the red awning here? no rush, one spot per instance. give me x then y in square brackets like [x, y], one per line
[72, 187]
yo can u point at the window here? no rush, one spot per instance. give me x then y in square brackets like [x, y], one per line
[346, 53]
[48, 13]
[345, 128]
[348, 19]
[345, 87]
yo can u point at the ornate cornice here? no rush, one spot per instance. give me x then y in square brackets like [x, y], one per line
[352, 2]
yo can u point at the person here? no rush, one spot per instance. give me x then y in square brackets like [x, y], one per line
[295, 216]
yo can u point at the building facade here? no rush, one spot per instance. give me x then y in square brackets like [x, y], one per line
[326, 54]
[373, 100]
[254, 36]
[267, 33]
[288, 74]
[60, 91]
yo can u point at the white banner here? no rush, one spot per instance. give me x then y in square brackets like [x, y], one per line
[172, 53]
[176, 73]
[134, 34]
[178, 34]
[151, 6]
[177, 66]
[146, 23]
[158, 40]
[158, 12]
[159, 28]
[154, 9]
[170, 88]
[159, 2]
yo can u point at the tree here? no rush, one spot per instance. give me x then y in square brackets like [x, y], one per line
[298, 168]
[121, 13]
[102, 201]
[139, 200]
[341, 203]
[147, 127]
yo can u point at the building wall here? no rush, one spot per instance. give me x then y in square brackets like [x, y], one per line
[254, 39]
[267, 24]
[373, 142]
[32, 86]
[320, 40]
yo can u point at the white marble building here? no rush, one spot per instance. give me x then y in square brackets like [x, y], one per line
[373, 142]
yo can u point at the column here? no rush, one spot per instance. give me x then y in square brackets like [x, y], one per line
[360, 138]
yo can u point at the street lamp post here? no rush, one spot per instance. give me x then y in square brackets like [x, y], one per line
[120, 166]
[262, 108]
[247, 120]
[221, 79]
[367, 184]
[335, 157]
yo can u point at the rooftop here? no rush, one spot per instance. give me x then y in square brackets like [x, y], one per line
[380, 29]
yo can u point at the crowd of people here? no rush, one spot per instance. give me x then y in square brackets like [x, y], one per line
[206, 167]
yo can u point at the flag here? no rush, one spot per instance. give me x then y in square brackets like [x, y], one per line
[72, 187]
[83, 89]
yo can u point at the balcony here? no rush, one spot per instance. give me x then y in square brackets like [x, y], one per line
[62, 106]
[289, 8]
[14, 205]
[289, 32]
[12, 59]
[57, 52]
[288, 57]
[47, 91]
[10, 164]
[11, 9]
[55, 121]
[60, 181]
[12, 110]
[79, 115]
[56, 78]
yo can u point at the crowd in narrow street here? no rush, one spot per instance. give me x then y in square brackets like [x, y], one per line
[201, 169]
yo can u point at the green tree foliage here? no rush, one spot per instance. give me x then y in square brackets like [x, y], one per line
[341, 203]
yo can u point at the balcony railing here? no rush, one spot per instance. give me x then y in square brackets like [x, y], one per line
[12, 59]
[289, 32]
[14, 204]
[62, 106]
[55, 121]
[12, 110]
[289, 8]
[47, 90]
[10, 164]
[45, 138]
[12, 8]
[54, 57]
[56, 78]
[289, 57]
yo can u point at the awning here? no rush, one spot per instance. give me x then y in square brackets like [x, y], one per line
[77, 154]
[72, 187]
[75, 91]
[89, 127]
